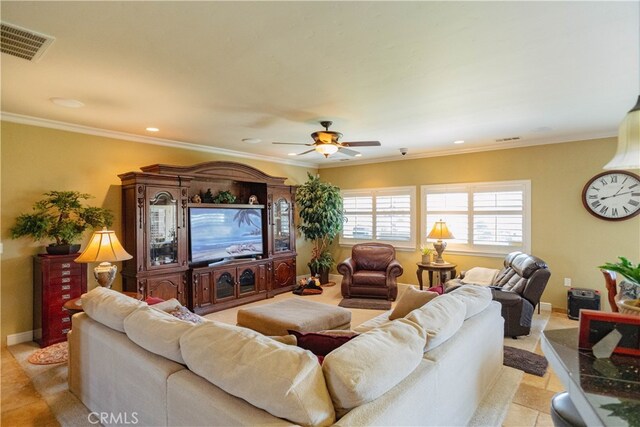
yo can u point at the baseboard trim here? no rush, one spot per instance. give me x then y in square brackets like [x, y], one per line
[546, 306]
[14, 339]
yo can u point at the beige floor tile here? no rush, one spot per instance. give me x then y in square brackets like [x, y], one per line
[520, 416]
[535, 381]
[534, 398]
[555, 384]
[544, 420]
[34, 414]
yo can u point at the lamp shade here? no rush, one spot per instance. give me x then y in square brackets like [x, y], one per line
[440, 231]
[628, 153]
[326, 149]
[103, 246]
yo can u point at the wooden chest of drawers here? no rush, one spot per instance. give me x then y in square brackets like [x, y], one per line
[56, 279]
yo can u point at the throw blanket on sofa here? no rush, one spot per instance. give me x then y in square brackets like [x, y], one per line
[480, 276]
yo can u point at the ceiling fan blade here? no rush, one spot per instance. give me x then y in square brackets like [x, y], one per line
[293, 143]
[308, 151]
[348, 152]
[361, 144]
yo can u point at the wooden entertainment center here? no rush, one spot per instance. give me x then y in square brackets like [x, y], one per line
[156, 228]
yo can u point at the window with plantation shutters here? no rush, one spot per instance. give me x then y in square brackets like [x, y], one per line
[490, 218]
[381, 214]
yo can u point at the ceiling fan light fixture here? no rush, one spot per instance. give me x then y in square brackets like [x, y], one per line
[628, 153]
[326, 149]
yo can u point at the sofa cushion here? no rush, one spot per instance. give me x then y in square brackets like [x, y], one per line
[284, 380]
[370, 278]
[167, 305]
[441, 318]
[285, 339]
[318, 343]
[475, 298]
[371, 364]
[411, 299]
[157, 332]
[109, 307]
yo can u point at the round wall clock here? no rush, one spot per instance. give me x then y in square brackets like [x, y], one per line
[612, 195]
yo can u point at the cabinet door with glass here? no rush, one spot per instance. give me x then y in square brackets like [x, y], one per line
[282, 236]
[163, 228]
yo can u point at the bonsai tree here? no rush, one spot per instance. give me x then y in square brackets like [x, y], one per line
[60, 216]
[320, 209]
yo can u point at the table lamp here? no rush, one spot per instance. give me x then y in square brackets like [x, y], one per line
[104, 248]
[440, 231]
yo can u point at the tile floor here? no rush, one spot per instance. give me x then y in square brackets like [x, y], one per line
[22, 405]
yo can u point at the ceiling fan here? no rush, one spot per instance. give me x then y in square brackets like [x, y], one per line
[327, 142]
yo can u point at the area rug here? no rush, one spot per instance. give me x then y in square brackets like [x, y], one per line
[524, 360]
[56, 353]
[365, 303]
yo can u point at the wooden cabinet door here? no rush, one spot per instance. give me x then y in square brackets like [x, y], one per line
[166, 286]
[163, 229]
[264, 277]
[224, 284]
[247, 280]
[284, 273]
[202, 289]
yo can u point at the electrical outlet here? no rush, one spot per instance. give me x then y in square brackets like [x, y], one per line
[567, 282]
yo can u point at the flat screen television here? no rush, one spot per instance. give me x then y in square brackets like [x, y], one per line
[218, 233]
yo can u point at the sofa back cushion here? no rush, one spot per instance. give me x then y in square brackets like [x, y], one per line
[157, 332]
[411, 299]
[369, 365]
[284, 380]
[441, 318]
[109, 307]
[372, 256]
[475, 298]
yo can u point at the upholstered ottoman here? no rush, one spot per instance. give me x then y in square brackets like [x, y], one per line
[295, 313]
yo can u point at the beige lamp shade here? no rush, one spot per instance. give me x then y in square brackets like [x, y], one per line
[440, 231]
[628, 152]
[326, 149]
[103, 246]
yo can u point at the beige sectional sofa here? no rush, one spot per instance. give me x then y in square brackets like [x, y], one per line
[431, 367]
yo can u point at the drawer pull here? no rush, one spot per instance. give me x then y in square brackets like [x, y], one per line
[66, 296]
[66, 319]
[66, 265]
[66, 280]
[65, 331]
[66, 287]
[66, 273]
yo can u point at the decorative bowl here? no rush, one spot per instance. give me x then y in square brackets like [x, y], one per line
[629, 306]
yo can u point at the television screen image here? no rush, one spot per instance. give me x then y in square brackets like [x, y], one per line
[220, 233]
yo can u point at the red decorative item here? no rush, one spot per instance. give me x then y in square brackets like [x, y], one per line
[320, 344]
[595, 325]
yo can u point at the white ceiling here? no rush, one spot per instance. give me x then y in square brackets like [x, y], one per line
[409, 74]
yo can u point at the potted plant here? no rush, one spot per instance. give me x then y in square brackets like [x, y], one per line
[628, 297]
[320, 209]
[426, 254]
[62, 217]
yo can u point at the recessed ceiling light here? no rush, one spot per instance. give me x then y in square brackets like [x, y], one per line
[358, 155]
[458, 142]
[67, 102]
[252, 140]
[153, 129]
[293, 154]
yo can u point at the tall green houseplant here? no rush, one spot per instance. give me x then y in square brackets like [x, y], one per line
[320, 209]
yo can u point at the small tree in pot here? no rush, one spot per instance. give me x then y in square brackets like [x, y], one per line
[320, 209]
[61, 216]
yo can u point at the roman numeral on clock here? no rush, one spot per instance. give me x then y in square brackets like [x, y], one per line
[604, 210]
[614, 211]
[595, 204]
[634, 202]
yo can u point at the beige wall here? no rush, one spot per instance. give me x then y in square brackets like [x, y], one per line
[569, 239]
[36, 160]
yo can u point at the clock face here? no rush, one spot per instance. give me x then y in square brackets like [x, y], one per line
[613, 195]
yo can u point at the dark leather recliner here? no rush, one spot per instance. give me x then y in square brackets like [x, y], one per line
[371, 271]
[518, 287]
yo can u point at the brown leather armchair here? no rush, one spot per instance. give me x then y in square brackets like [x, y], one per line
[372, 271]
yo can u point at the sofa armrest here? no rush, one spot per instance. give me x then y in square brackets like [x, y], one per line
[394, 269]
[347, 267]
[506, 298]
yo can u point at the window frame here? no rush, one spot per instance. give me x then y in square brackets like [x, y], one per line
[470, 188]
[403, 245]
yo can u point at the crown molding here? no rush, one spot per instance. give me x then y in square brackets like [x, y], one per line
[70, 127]
[457, 151]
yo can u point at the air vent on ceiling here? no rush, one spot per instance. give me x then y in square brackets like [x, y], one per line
[23, 43]
[513, 138]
